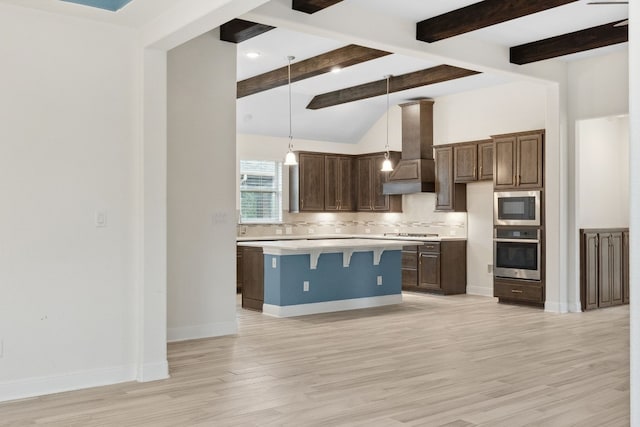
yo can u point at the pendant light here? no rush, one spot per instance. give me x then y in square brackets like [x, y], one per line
[386, 164]
[290, 158]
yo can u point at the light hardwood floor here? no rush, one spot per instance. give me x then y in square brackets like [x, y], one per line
[432, 361]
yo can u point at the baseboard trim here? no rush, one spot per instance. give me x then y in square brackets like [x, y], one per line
[556, 307]
[480, 291]
[153, 371]
[330, 306]
[202, 331]
[39, 386]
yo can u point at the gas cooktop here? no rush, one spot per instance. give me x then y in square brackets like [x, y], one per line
[411, 234]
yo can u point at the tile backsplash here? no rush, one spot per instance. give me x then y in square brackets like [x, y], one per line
[418, 216]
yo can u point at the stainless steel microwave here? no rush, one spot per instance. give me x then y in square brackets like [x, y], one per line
[517, 208]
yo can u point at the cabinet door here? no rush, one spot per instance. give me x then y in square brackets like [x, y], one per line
[589, 271]
[485, 161]
[311, 181]
[429, 270]
[465, 159]
[504, 163]
[444, 178]
[625, 267]
[253, 278]
[345, 184]
[332, 183]
[605, 291]
[380, 201]
[615, 269]
[364, 174]
[409, 267]
[529, 173]
[239, 270]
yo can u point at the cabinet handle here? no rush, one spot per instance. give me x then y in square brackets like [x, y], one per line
[480, 170]
[516, 291]
[474, 170]
[301, 203]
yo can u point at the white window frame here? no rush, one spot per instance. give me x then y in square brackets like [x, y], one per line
[277, 191]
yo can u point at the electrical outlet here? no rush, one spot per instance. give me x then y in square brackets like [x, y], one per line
[278, 231]
[453, 231]
[288, 230]
[379, 280]
[367, 230]
[311, 231]
[490, 268]
[305, 286]
[338, 230]
[274, 262]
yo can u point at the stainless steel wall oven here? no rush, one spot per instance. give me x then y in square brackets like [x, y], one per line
[517, 253]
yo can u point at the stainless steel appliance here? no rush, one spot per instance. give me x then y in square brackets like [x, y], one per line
[517, 208]
[516, 253]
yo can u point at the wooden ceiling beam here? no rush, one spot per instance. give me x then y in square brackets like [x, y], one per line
[239, 30]
[343, 57]
[480, 15]
[312, 6]
[578, 41]
[437, 74]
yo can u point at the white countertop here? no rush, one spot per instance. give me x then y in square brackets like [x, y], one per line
[316, 247]
[286, 237]
[326, 245]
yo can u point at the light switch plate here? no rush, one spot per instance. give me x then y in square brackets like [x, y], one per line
[101, 219]
[305, 286]
[274, 262]
[379, 280]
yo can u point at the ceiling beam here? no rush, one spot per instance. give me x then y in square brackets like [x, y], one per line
[437, 74]
[343, 57]
[480, 15]
[312, 6]
[578, 41]
[239, 30]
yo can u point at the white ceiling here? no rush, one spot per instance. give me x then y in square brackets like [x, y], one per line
[267, 112]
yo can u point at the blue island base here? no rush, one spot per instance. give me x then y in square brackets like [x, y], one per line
[293, 288]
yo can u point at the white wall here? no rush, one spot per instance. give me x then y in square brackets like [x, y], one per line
[478, 115]
[597, 87]
[67, 291]
[201, 152]
[603, 172]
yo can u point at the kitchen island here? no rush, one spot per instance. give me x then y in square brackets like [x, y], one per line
[318, 276]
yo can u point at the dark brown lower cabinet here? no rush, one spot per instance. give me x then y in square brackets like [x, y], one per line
[437, 267]
[604, 275]
[529, 292]
[252, 278]
[239, 270]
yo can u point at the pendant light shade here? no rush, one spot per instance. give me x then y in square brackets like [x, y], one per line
[386, 164]
[290, 158]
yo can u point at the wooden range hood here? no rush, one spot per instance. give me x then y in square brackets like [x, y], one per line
[415, 173]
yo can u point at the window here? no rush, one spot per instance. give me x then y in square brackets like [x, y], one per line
[260, 191]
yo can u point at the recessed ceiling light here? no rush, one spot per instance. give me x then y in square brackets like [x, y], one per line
[252, 55]
[336, 69]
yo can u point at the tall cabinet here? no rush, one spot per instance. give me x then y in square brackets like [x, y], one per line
[604, 276]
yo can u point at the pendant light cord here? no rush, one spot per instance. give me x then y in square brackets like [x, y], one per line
[290, 58]
[386, 154]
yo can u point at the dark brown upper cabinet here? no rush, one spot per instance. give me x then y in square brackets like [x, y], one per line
[450, 196]
[485, 160]
[339, 183]
[518, 160]
[369, 184]
[307, 183]
[473, 161]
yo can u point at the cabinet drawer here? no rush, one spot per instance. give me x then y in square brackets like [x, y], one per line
[410, 260]
[430, 247]
[513, 291]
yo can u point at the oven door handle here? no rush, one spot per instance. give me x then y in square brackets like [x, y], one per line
[517, 240]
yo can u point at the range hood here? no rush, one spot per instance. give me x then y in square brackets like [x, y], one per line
[415, 172]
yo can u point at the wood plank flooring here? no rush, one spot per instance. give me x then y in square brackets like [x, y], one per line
[453, 361]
